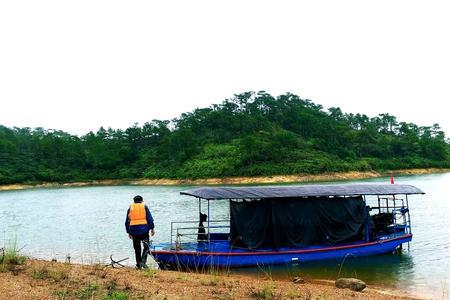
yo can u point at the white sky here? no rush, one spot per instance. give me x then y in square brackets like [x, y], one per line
[79, 65]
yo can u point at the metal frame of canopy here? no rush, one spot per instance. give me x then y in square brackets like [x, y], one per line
[300, 191]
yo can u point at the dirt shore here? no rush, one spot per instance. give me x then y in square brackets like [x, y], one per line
[232, 180]
[37, 279]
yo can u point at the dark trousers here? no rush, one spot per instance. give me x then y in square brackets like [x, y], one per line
[141, 257]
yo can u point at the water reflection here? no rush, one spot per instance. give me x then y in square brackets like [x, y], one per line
[390, 270]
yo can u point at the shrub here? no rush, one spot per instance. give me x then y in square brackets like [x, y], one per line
[10, 258]
[266, 293]
[87, 292]
[59, 275]
[40, 272]
[117, 295]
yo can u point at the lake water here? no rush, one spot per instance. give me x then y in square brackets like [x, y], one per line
[87, 223]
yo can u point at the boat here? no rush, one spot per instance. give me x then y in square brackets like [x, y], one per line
[270, 225]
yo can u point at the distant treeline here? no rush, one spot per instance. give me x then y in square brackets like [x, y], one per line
[248, 135]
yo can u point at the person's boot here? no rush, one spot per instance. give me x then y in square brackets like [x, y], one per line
[144, 259]
[144, 262]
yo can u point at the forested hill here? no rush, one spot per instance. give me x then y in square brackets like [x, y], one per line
[248, 135]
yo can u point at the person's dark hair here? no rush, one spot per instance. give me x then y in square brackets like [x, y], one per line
[138, 199]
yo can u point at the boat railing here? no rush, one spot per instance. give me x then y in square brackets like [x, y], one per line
[185, 229]
[398, 208]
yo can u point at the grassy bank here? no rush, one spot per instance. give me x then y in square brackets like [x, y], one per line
[36, 279]
[354, 175]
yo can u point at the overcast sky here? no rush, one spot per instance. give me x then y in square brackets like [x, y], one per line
[79, 65]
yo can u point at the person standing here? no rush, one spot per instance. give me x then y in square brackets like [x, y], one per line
[138, 224]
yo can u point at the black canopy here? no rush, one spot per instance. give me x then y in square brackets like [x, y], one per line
[264, 192]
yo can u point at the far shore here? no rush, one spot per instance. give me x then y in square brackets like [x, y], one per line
[274, 179]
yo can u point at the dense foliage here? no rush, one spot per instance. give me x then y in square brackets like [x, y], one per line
[250, 134]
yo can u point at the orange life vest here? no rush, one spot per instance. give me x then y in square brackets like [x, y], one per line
[137, 215]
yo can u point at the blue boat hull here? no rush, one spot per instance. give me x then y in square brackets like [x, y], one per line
[220, 255]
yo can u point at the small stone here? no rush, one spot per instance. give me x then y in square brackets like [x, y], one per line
[298, 280]
[350, 283]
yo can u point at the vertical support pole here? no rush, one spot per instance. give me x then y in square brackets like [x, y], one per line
[409, 217]
[229, 217]
[199, 212]
[209, 218]
[394, 219]
[367, 232]
[379, 203]
[367, 237]
[405, 221]
[178, 241]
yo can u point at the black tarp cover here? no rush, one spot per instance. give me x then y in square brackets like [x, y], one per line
[291, 222]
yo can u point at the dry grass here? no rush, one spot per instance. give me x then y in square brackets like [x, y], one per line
[49, 280]
[11, 260]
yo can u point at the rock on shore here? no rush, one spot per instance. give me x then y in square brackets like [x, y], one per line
[351, 283]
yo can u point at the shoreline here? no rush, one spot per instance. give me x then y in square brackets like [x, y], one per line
[274, 179]
[39, 279]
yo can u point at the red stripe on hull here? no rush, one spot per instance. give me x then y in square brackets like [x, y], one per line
[281, 252]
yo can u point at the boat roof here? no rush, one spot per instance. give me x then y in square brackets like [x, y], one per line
[293, 191]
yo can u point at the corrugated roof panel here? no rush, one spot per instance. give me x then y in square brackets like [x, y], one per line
[261, 192]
